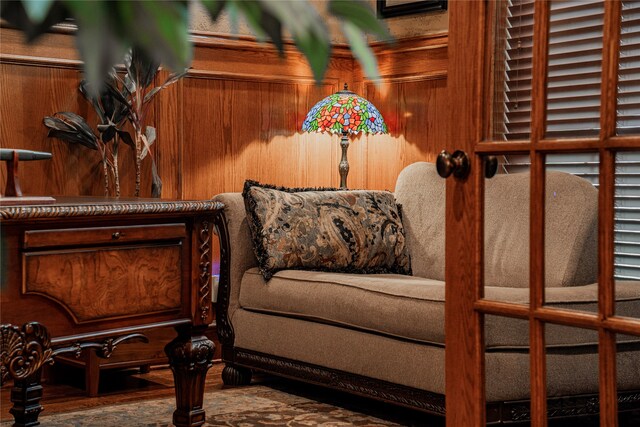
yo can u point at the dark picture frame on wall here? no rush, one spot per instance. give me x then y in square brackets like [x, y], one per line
[390, 8]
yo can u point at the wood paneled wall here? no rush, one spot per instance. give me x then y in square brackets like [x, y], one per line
[235, 116]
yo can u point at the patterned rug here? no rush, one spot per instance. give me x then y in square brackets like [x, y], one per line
[255, 405]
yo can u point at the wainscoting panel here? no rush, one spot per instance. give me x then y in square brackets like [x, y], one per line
[237, 115]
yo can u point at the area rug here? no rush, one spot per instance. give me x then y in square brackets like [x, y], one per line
[255, 405]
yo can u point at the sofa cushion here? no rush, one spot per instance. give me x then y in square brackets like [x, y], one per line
[348, 231]
[412, 308]
[571, 227]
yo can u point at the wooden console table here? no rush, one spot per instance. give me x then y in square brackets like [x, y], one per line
[95, 272]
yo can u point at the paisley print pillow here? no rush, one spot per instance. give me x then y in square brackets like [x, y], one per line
[350, 231]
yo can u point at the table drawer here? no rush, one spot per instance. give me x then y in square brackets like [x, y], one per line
[94, 284]
[102, 235]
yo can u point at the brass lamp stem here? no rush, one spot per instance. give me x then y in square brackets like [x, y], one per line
[344, 164]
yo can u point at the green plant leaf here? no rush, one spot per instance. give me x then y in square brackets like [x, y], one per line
[99, 44]
[159, 29]
[309, 33]
[361, 51]
[358, 13]
[261, 20]
[15, 13]
[214, 7]
[37, 10]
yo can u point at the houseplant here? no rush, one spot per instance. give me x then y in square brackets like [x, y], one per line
[158, 32]
[121, 101]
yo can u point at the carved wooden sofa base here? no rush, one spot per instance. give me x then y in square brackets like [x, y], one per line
[239, 372]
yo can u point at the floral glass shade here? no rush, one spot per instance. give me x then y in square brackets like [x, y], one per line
[344, 111]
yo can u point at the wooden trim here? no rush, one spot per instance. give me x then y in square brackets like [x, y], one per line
[539, 71]
[463, 324]
[499, 308]
[606, 214]
[623, 325]
[552, 145]
[538, 371]
[69, 339]
[631, 142]
[107, 207]
[503, 147]
[38, 61]
[578, 319]
[224, 327]
[262, 78]
[478, 182]
[410, 78]
[409, 44]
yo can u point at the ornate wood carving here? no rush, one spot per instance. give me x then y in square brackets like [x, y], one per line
[223, 324]
[382, 390]
[236, 375]
[190, 356]
[103, 349]
[24, 350]
[204, 289]
[569, 406]
[497, 412]
[97, 209]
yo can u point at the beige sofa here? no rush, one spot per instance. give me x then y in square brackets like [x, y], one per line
[383, 335]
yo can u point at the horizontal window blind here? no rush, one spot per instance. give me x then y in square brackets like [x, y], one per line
[629, 70]
[573, 103]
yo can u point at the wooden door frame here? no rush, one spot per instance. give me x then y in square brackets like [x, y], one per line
[464, 347]
[469, 52]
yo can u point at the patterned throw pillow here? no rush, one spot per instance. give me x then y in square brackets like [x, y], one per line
[350, 231]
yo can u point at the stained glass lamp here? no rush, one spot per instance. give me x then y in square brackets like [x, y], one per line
[346, 113]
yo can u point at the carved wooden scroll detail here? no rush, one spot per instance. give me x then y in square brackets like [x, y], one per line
[204, 276]
[23, 351]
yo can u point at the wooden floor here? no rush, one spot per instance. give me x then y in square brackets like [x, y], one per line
[116, 386]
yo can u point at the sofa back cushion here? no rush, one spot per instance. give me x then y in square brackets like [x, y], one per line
[570, 230]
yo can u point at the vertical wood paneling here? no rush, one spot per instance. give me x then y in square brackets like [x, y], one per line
[236, 116]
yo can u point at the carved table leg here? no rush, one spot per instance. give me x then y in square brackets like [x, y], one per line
[190, 355]
[26, 395]
[23, 351]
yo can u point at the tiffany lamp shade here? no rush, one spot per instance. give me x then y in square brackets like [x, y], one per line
[346, 113]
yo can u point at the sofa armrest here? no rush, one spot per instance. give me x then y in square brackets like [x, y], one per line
[236, 257]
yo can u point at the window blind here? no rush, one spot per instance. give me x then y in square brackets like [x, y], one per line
[573, 102]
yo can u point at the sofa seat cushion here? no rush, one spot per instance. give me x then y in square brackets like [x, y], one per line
[412, 308]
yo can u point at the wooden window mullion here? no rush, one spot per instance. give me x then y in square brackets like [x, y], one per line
[538, 371]
[606, 285]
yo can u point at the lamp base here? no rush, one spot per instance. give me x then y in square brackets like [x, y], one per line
[343, 167]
